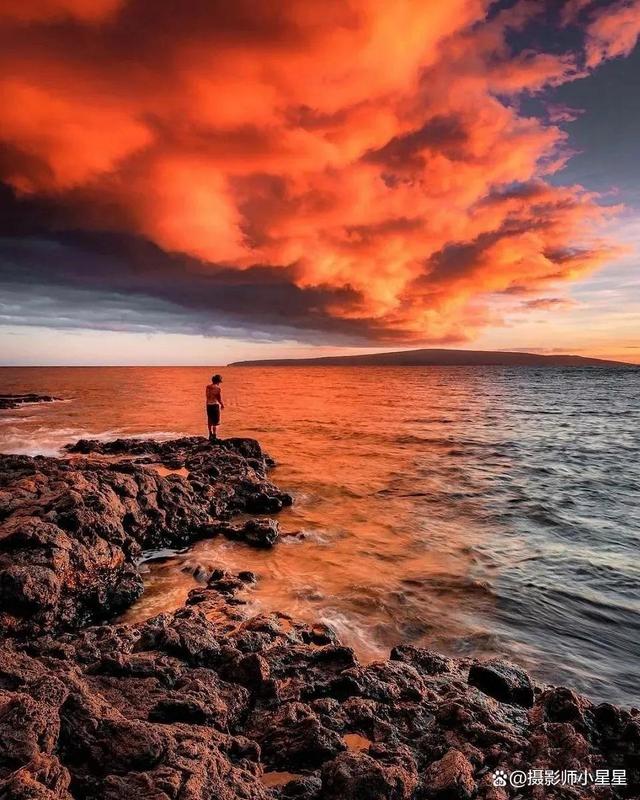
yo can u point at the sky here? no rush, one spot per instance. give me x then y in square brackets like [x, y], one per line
[198, 182]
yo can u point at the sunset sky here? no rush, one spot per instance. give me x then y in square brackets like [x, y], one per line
[198, 181]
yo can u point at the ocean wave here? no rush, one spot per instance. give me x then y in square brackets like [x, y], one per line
[45, 441]
[354, 633]
[460, 586]
[493, 501]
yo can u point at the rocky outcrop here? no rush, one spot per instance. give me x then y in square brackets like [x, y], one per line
[72, 530]
[256, 532]
[17, 400]
[208, 702]
[505, 682]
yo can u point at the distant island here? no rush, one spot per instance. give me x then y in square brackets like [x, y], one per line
[428, 357]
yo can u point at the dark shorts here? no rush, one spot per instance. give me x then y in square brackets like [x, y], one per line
[213, 414]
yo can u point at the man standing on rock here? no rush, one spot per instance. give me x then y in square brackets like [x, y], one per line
[214, 406]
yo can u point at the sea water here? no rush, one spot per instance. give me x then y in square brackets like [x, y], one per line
[476, 511]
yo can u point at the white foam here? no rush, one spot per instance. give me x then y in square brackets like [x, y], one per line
[41, 441]
[163, 435]
[46, 441]
[351, 632]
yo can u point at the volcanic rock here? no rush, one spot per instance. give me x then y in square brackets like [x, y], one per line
[450, 778]
[504, 681]
[200, 702]
[17, 400]
[208, 701]
[260, 532]
[72, 530]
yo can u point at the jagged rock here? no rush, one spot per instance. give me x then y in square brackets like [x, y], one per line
[72, 530]
[386, 681]
[42, 778]
[450, 778]
[307, 787]
[502, 680]
[199, 703]
[17, 400]
[255, 532]
[426, 660]
[294, 738]
[358, 776]
[266, 503]
[261, 532]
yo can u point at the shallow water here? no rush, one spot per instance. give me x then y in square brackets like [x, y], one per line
[475, 510]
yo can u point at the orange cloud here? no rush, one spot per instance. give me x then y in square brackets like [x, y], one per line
[614, 32]
[70, 139]
[46, 10]
[370, 148]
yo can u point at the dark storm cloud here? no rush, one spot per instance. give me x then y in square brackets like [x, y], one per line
[122, 270]
[119, 281]
[357, 170]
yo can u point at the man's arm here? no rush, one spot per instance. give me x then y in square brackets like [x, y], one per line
[220, 398]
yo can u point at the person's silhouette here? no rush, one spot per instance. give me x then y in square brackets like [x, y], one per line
[214, 406]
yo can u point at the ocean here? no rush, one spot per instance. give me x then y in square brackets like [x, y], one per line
[476, 511]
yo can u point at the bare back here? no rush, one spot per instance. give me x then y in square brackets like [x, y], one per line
[213, 394]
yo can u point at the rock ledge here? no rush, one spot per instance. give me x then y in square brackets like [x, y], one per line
[211, 703]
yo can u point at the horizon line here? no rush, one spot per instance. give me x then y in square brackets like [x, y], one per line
[332, 358]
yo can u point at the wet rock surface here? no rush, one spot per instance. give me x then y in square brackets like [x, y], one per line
[18, 400]
[505, 682]
[255, 532]
[72, 530]
[210, 702]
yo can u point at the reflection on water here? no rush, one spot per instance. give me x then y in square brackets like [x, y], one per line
[472, 510]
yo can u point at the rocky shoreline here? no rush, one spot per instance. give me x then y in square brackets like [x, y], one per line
[209, 702]
[73, 529]
[17, 400]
